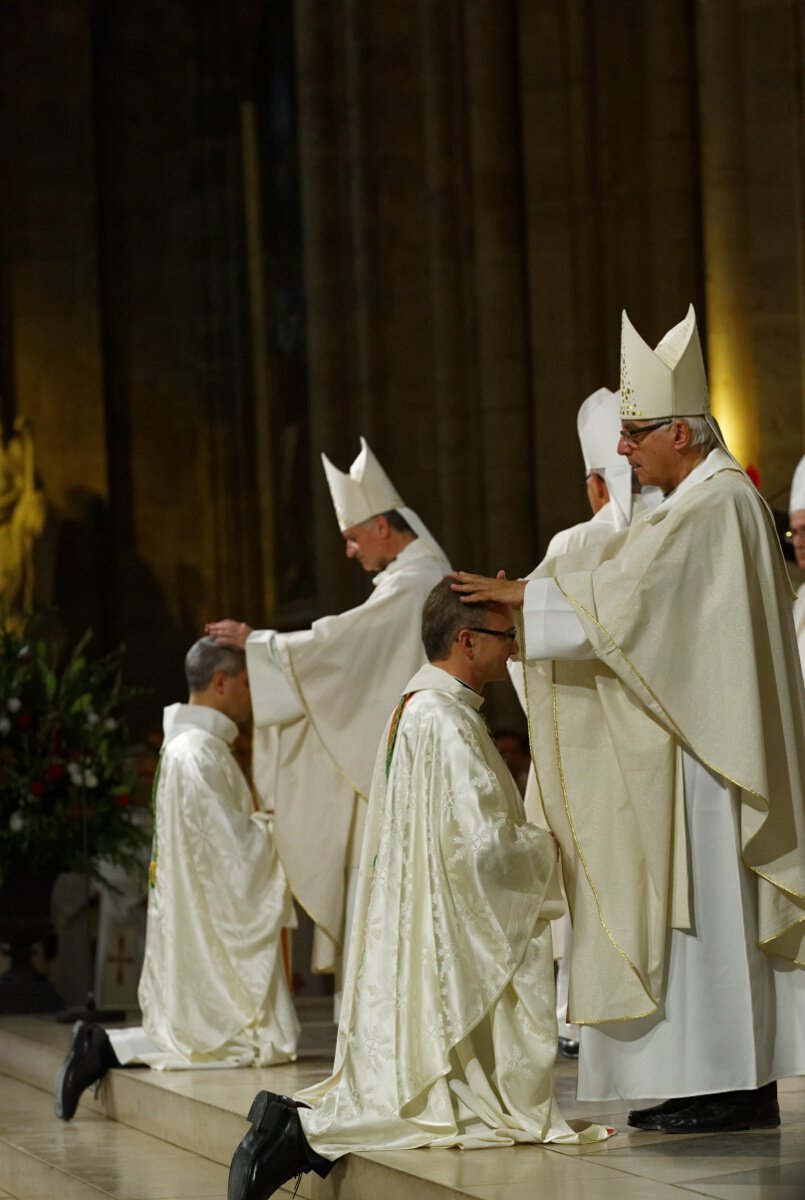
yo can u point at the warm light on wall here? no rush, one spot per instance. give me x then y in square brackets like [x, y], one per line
[732, 419]
[731, 378]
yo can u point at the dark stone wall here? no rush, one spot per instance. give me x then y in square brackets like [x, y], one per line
[237, 234]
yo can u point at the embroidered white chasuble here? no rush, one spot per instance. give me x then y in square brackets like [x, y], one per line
[448, 1032]
[213, 989]
[668, 738]
[321, 697]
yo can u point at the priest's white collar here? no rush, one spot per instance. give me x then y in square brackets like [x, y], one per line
[176, 718]
[418, 548]
[716, 460]
[436, 679]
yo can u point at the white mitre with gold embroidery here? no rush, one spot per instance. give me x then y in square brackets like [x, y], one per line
[364, 492]
[666, 382]
[599, 429]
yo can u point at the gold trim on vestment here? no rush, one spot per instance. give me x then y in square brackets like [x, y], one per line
[590, 883]
[518, 616]
[711, 766]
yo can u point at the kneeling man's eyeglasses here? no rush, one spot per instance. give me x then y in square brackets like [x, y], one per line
[511, 634]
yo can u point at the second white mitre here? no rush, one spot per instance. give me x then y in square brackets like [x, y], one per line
[598, 424]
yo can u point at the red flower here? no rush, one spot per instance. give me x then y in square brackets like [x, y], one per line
[122, 801]
[56, 770]
[24, 720]
[36, 787]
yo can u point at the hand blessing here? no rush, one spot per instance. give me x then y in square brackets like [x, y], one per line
[229, 633]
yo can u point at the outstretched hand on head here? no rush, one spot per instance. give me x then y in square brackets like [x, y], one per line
[229, 633]
[480, 589]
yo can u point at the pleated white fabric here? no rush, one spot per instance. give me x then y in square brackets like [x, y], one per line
[213, 989]
[448, 1031]
[345, 673]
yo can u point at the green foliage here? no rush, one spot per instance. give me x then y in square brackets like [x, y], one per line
[64, 749]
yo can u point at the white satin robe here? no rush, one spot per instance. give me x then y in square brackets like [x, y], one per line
[212, 990]
[448, 1032]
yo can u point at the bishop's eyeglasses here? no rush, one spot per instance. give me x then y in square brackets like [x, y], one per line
[633, 437]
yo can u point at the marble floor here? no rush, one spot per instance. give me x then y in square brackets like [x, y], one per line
[170, 1137]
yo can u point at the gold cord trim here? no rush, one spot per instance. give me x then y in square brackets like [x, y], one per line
[583, 860]
[518, 616]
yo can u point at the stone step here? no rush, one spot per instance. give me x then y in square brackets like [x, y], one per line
[195, 1114]
[91, 1158]
[155, 1135]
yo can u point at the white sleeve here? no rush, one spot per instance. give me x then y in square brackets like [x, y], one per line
[274, 698]
[551, 626]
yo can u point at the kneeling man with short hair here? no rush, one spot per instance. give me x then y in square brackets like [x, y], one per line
[212, 990]
[448, 1030]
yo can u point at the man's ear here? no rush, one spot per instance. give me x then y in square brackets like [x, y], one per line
[682, 435]
[464, 639]
[218, 680]
[382, 526]
[600, 488]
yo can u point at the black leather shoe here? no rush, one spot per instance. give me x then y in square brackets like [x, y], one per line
[647, 1118]
[273, 1151]
[720, 1114]
[89, 1058]
[568, 1047]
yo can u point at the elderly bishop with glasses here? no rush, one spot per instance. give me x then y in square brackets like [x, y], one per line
[666, 705]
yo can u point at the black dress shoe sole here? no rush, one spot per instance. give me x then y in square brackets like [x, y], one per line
[268, 1115]
[65, 1104]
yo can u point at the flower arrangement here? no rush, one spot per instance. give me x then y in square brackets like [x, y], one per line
[66, 769]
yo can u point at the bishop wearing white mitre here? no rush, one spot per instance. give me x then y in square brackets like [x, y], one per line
[615, 499]
[796, 524]
[666, 705]
[321, 696]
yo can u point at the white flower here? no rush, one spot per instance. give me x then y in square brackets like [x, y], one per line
[90, 779]
[16, 822]
[13, 704]
[110, 723]
[23, 651]
[92, 719]
[5, 724]
[75, 772]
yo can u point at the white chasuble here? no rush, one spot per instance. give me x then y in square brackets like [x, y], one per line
[213, 989]
[448, 1033]
[321, 698]
[668, 738]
